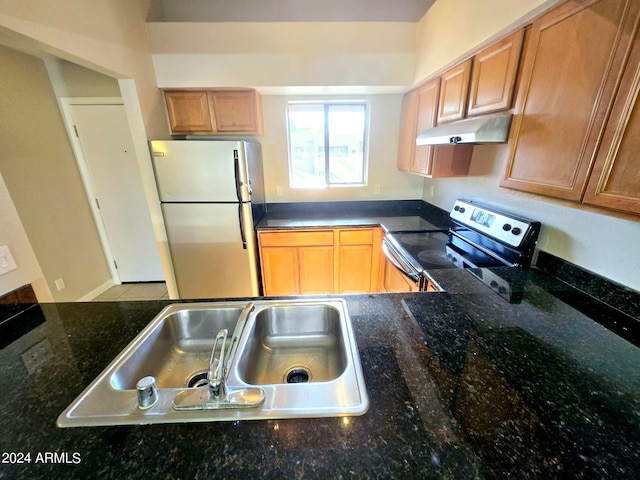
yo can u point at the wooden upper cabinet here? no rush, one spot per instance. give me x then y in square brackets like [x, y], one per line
[454, 91]
[483, 84]
[572, 65]
[188, 112]
[419, 113]
[237, 111]
[220, 111]
[408, 119]
[493, 76]
[427, 114]
[615, 179]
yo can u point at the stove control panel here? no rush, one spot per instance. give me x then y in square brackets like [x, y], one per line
[498, 225]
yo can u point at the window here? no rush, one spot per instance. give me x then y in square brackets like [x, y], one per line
[327, 144]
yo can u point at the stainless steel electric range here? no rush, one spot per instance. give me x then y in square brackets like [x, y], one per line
[479, 236]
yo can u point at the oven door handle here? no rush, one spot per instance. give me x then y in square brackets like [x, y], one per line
[397, 263]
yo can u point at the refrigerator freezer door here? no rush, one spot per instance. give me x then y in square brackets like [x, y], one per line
[200, 171]
[207, 250]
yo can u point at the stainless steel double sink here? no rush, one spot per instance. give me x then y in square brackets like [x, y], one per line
[301, 353]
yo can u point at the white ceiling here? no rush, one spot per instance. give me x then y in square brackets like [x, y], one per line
[288, 10]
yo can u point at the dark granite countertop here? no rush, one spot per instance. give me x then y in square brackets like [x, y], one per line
[461, 385]
[396, 215]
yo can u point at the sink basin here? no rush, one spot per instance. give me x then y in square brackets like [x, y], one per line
[294, 344]
[301, 353]
[177, 350]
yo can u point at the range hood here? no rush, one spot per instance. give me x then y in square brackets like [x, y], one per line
[485, 129]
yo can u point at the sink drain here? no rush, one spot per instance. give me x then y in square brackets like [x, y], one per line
[297, 375]
[198, 379]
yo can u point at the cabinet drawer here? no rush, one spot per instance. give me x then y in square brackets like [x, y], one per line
[296, 238]
[358, 236]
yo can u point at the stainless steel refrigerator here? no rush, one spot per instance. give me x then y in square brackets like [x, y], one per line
[212, 196]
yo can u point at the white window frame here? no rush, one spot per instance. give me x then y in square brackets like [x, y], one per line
[365, 145]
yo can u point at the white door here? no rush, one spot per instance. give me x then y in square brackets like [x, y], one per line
[103, 133]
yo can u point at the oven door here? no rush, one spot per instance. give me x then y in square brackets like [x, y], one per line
[398, 274]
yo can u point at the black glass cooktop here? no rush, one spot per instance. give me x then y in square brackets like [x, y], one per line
[440, 250]
[426, 248]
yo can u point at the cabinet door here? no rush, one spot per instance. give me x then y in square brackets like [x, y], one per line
[236, 111]
[358, 259]
[356, 262]
[394, 281]
[615, 179]
[454, 92]
[316, 270]
[408, 131]
[493, 76]
[188, 112]
[569, 77]
[427, 115]
[280, 270]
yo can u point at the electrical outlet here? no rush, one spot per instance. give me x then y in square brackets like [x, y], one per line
[432, 190]
[279, 191]
[59, 284]
[7, 263]
[376, 189]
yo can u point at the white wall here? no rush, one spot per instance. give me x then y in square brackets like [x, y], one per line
[282, 55]
[40, 172]
[452, 28]
[108, 36]
[71, 80]
[383, 149]
[12, 234]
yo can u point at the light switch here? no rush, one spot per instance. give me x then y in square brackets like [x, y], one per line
[6, 260]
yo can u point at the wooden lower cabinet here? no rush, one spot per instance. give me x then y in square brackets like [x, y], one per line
[391, 280]
[305, 262]
[358, 260]
[297, 262]
[280, 270]
[316, 270]
[297, 270]
[355, 268]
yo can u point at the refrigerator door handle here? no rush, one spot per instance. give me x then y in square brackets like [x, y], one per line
[236, 170]
[241, 223]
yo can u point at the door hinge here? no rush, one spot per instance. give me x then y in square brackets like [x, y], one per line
[75, 129]
[115, 264]
[97, 204]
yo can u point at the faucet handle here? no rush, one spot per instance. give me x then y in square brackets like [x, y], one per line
[147, 392]
[216, 365]
[237, 332]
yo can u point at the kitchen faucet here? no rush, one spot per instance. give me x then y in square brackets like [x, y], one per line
[216, 367]
[217, 395]
[219, 367]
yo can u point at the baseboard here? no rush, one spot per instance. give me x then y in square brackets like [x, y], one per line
[97, 291]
